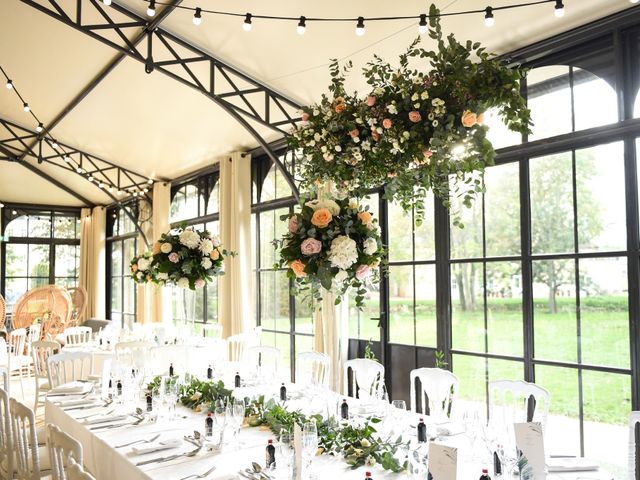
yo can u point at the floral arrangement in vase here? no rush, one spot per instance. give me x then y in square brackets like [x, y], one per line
[420, 127]
[334, 244]
[184, 257]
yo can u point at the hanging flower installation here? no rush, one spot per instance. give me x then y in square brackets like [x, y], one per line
[417, 130]
[334, 244]
[184, 257]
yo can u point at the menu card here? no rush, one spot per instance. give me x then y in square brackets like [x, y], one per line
[530, 441]
[297, 442]
[443, 462]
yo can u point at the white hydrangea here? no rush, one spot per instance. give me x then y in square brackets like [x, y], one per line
[370, 246]
[183, 282]
[330, 205]
[206, 263]
[206, 246]
[343, 252]
[143, 264]
[163, 276]
[166, 247]
[189, 239]
[341, 276]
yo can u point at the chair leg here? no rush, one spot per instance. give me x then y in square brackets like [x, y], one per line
[22, 381]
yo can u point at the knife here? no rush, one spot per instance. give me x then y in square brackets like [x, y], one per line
[160, 459]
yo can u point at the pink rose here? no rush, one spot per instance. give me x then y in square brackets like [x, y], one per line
[427, 153]
[173, 257]
[199, 283]
[362, 272]
[386, 123]
[293, 224]
[375, 136]
[415, 116]
[371, 101]
[305, 117]
[310, 246]
[354, 133]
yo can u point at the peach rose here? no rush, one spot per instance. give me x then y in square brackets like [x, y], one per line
[354, 133]
[305, 117]
[415, 116]
[134, 267]
[427, 153]
[156, 248]
[340, 107]
[375, 136]
[365, 217]
[371, 101]
[321, 218]
[386, 123]
[298, 268]
[469, 119]
[480, 119]
[215, 254]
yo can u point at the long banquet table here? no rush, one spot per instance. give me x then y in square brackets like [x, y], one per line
[107, 462]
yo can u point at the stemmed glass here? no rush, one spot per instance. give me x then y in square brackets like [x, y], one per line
[309, 443]
[471, 421]
[506, 449]
[286, 453]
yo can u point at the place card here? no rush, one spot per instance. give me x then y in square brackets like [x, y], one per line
[443, 462]
[297, 443]
[530, 441]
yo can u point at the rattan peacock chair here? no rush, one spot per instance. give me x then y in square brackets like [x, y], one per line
[79, 301]
[51, 305]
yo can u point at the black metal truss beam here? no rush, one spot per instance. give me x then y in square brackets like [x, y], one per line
[241, 96]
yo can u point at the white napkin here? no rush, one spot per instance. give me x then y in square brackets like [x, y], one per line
[104, 419]
[74, 402]
[71, 388]
[577, 464]
[157, 447]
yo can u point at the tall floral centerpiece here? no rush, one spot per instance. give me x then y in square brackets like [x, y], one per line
[420, 128]
[184, 257]
[334, 244]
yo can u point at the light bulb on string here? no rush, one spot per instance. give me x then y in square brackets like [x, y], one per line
[25, 107]
[150, 181]
[151, 10]
[489, 21]
[634, 1]
[246, 26]
[67, 159]
[302, 25]
[106, 2]
[360, 27]
[422, 25]
[9, 84]
[559, 9]
[54, 144]
[197, 16]
[40, 127]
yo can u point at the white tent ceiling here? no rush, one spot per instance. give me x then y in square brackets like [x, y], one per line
[158, 127]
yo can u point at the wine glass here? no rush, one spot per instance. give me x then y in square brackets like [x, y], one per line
[285, 453]
[309, 443]
[471, 421]
[506, 449]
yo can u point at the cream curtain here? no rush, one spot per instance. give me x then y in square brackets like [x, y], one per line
[92, 260]
[160, 297]
[144, 298]
[235, 233]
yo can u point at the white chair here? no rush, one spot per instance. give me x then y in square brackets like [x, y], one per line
[41, 351]
[211, 351]
[438, 391]
[63, 449]
[77, 335]
[212, 330]
[6, 436]
[265, 360]
[518, 401]
[17, 359]
[313, 368]
[134, 353]
[164, 356]
[238, 345]
[4, 373]
[76, 472]
[66, 367]
[633, 421]
[27, 453]
[367, 378]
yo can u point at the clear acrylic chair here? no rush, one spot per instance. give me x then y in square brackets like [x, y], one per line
[265, 360]
[313, 368]
[438, 391]
[40, 352]
[367, 378]
[135, 353]
[66, 367]
[77, 335]
[512, 401]
[212, 330]
[63, 449]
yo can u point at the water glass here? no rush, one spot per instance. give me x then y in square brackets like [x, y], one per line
[309, 444]
[285, 455]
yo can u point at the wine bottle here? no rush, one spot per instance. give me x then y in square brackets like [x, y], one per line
[237, 379]
[110, 389]
[283, 393]
[209, 372]
[149, 402]
[344, 410]
[171, 369]
[485, 474]
[497, 467]
[368, 476]
[119, 387]
[271, 454]
[208, 425]
[422, 431]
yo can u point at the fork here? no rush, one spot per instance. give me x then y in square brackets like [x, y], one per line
[147, 440]
[192, 453]
[202, 475]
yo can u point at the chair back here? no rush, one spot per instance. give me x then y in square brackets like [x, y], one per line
[633, 421]
[6, 436]
[41, 350]
[367, 378]
[76, 472]
[265, 360]
[33, 335]
[313, 368]
[211, 351]
[513, 401]
[3, 311]
[163, 356]
[51, 304]
[212, 330]
[135, 353]
[66, 367]
[238, 346]
[23, 421]
[17, 342]
[4, 356]
[4, 374]
[63, 449]
[78, 304]
[438, 391]
[77, 335]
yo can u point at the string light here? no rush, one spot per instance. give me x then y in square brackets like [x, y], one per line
[634, 1]
[302, 25]
[67, 159]
[9, 84]
[197, 17]
[40, 127]
[106, 2]
[151, 10]
[25, 107]
[360, 27]
[422, 25]
[150, 181]
[559, 10]
[489, 21]
[54, 145]
[247, 23]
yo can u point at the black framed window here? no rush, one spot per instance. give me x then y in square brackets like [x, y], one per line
[40, 246]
